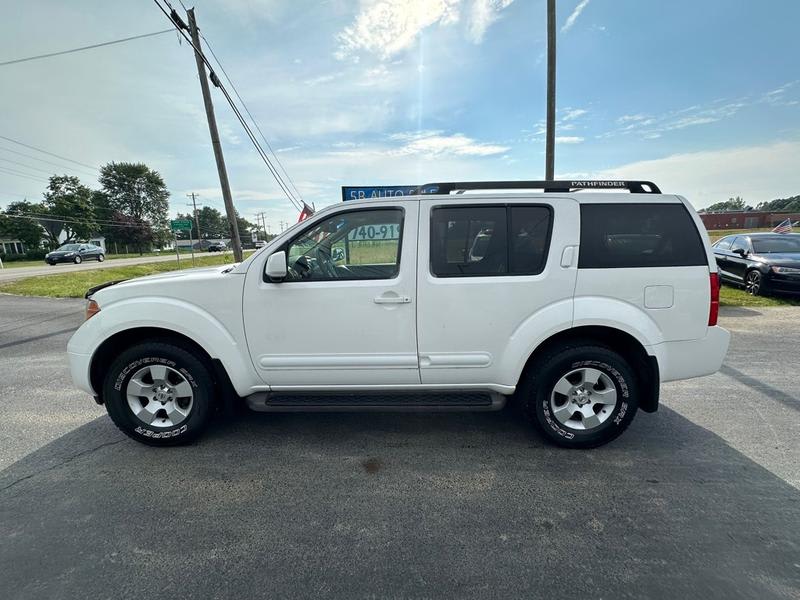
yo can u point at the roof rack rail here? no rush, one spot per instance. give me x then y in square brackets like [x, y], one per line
[562, 187]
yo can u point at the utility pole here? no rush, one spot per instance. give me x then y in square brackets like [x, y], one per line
[550, 142]
[236, 243]
[193, 196]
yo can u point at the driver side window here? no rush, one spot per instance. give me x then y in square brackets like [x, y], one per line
[359, 244]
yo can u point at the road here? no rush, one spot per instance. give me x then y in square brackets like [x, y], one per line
[701, 499]
[10, 273]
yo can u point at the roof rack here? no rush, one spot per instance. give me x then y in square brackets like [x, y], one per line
[561, 187]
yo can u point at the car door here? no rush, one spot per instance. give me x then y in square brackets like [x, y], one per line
[487, 272]
[722, 253]
[345, 314]
[737, 259]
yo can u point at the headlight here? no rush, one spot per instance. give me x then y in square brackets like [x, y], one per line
[70, 254]
[786, 270]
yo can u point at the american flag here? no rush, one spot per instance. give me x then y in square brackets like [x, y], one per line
[305, 213]
[784, 226]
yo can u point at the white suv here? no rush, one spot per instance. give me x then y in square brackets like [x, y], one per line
[577, 303]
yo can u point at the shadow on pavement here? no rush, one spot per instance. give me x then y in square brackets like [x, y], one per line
[397, 505]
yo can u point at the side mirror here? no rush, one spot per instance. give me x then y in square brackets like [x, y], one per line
[276, 266]
[740, 251]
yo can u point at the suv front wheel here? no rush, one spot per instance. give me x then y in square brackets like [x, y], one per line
[159, 393]
[581, 396]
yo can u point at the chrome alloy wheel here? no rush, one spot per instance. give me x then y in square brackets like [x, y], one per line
[159, 396]
[583, 399]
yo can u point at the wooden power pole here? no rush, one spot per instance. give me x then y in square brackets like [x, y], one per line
[236, 242]
[550, 140]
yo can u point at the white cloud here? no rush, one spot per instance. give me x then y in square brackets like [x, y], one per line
[568, 139]
[573, 113]
[574, 16]
[482, 14]
[432, 144]
[755, 173]
[387, 27]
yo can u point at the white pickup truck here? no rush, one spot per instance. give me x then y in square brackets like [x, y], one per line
[579, 304]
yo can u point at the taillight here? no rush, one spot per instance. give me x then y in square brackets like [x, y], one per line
[713, 312]
[92, 308]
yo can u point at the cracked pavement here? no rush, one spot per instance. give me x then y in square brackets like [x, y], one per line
[701, 499]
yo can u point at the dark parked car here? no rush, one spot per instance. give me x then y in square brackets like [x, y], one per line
[761, 262]
[75, 253]
[217, 247]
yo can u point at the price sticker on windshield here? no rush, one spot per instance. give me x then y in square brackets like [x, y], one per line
[375, 232]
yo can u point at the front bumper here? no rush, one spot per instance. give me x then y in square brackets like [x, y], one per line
[789, 284]
[59, 259]
[692, 358]
[79, 370]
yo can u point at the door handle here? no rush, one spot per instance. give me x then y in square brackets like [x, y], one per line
[392, 300]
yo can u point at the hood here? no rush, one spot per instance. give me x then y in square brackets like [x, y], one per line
[781, 259]
[173, 283]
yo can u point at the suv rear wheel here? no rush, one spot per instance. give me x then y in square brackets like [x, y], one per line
[581, 396]
[159, 393]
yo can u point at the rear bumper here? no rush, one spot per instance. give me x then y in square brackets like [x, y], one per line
[692, 358]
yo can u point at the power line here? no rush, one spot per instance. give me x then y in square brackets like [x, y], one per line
[82, 48]
[74, 221]
[252, 118]
[8, 139]
[26, 166]
[20, 174]
[30, 156]
[180, 26]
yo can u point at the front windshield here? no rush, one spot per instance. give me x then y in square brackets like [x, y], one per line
[778, 243]
[69, 248]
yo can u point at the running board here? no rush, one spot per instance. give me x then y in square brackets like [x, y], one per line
[375, 401]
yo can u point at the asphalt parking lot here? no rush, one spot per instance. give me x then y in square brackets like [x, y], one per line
[701, 499]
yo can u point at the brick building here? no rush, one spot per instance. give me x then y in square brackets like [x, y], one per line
[745, 219]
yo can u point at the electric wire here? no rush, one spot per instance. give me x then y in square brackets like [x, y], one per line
[252, 118]
[82, 48]
[179, 26]
[8, 139]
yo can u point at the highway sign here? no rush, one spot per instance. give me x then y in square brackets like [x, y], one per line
[180, 225]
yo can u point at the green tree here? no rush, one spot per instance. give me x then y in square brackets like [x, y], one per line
[791, 204]
[212, 224]
[731, 204]
[15, 224]
[137, 191]
[68, 208]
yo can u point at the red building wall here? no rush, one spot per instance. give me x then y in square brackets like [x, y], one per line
[752, 219]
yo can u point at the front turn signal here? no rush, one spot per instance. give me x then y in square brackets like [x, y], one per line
[92, 308]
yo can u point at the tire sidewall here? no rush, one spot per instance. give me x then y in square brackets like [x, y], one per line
[192, 369]
[620, 374]
[78, 260]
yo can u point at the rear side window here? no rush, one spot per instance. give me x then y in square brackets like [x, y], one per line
[474, 241]
[724, 243]
[638, 235]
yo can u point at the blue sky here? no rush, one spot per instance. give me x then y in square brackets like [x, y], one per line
[701, 97]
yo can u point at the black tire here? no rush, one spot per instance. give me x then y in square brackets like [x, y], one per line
[77, 260]
[101, 257]
[540, 379]
[191, 367]
[754, 283]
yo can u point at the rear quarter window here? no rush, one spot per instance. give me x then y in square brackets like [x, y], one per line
[638, 235]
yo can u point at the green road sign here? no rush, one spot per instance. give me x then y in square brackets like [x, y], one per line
[180, 225]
